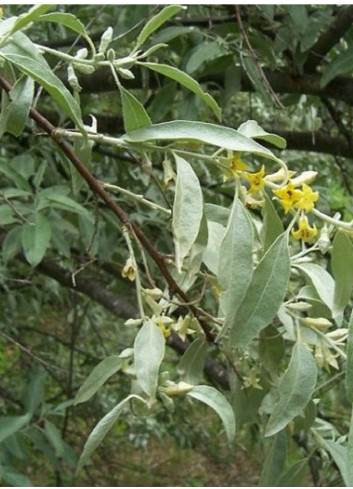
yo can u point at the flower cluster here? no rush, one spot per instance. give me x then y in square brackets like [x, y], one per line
[295, 195]
[303, 200]
[293, 198]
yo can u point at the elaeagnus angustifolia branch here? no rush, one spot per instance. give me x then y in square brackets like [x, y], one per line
[98, 189]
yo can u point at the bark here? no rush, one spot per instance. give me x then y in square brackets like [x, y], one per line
[282, 82]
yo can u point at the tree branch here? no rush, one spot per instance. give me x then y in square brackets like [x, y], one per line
[282, 82]
[329, 38]
[120, 307]
[296, 140]
[116, 304]
[303, 141]
[97, 189]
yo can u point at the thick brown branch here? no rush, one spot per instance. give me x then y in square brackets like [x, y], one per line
[116, 304]
[337, 118]
[111, 204]
[120, 307]
[329, 38]
[304, 141]
[282, 82]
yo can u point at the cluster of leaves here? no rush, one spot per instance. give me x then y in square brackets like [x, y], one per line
[223, 277]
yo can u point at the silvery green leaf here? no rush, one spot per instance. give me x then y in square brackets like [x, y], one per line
[264, 294]
[101, 372]
[294, 390]
[235, 267]
[215, 400]
[187, 210]
[149, 348]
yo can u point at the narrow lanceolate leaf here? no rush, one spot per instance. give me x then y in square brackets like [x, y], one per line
[322, 282]
[134, 113]
[272, 224]
[264, 295]
[235, 262]
[35, 239]
[219, 136]
[60, 201]
[99, 375]
[251, 129]
[31, 16]
[349, 366]
[22, 53]
[156, 22]
[9, 425]
[274, 461]
[101, 429]
[188, 82]
[212, 252]
[339, 454]
[194, 259]
[342, 270]
[191, 364]
[343, 63]
[257, 78]
[68, 20]
[187, 210]
[17, 110]
[215, 400]
[294, 476]
[149, 348]
[53, 435]
[294, 390]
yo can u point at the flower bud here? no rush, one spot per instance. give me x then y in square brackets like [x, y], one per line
[178, 389]
[111, 55]
[339, 334]
[125, 73]
[72, 79]
[324, 241]
[106, 39]
[316, 323]
[305, 177]
[133, 322]
[85, 69]
[298, 306]
[155, 293]
[82, 53]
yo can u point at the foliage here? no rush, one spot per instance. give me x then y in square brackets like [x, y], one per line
[201, 238]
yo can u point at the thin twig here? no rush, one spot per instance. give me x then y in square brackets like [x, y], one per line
[255, 58]
[29, 353]
[96, 187]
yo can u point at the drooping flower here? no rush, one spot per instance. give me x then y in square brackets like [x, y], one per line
[307, 199]
[236, 166]
[164, 324]
[129, 270]
[256, 180]
[305, 232]
[288, 196]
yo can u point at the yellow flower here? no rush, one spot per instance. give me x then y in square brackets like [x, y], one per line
[236, 165]
[256, 180]
[305, 232]
[288, 196]
[164, 329]
[129, 270]
[307, 200]
[164, 324]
